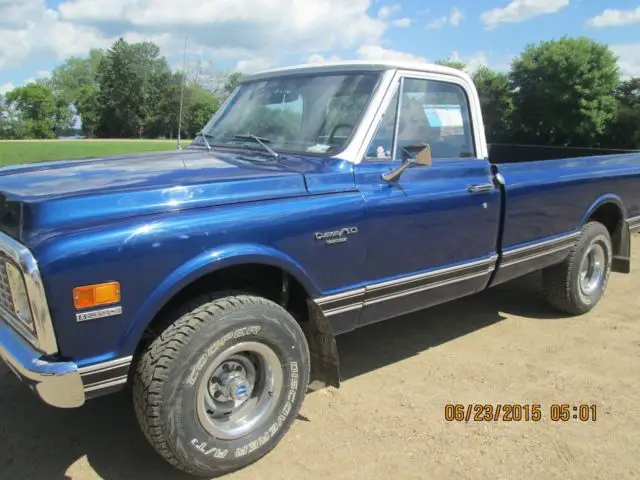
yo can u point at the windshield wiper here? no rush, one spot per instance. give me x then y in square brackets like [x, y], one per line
[204, 137]
[261, 140]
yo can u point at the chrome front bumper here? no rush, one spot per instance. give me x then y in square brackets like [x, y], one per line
[57, 383]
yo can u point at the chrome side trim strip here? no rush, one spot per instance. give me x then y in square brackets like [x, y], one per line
[542, 244]
[340, 296]
[118, 362]
[106, 384]
[105, 374]
[390, 289]
[634, 224]
[26, 262]
[348, 308]
[432, 274]
[427, 287]
[536, 255]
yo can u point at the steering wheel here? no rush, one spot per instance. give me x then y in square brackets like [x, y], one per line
[333, 132]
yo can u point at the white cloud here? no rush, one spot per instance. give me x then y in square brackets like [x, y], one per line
[453, 19]
[254, 64]
[31, 31]
[249, 24]
[629, 58]
[376, 52]
[385, 12]
[402, 22]
[520, 10]
[6, 87]
[472, 62]
[437, 23]
[318, 59]
[40, 75]
[615, 18]
[456, 17]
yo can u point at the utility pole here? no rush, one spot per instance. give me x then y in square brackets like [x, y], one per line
[184, 76]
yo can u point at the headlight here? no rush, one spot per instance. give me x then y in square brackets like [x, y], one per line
[21, 306]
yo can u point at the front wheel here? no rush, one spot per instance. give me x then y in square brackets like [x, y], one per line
[221, 386]
[577, 285]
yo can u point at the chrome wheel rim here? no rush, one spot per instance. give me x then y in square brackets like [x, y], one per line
[239, 390]
[592, 269]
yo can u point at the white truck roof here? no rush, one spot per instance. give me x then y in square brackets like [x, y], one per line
[345, 65]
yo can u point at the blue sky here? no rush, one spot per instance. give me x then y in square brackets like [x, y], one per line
[36, 35]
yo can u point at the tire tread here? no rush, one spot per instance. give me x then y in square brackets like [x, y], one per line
[151, 370]
[557, 282]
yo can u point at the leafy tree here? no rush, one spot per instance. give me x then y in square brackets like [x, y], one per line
[69, 80]
[494, 91]
[200, 108]
[624, 131]
[563, 92]
[75, 83]
[231, 83]
[457, 64]
[36, 113]
[131, 79]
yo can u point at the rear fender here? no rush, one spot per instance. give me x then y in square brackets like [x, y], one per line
[620, 238]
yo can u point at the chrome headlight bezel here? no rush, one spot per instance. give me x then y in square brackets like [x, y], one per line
[23, 316]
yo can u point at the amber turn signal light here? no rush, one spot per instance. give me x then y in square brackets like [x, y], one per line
[96, 295]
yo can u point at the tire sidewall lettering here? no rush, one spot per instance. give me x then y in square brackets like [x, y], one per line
[295, 375]
[218, 345]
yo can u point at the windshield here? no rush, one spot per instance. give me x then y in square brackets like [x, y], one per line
[313, 113]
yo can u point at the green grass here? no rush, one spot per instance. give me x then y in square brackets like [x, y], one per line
[14, 152]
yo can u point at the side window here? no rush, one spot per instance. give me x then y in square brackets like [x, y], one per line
[382, 143]
[433, 113]
[437, 114]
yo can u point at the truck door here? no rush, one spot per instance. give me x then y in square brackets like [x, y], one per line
[432, 233]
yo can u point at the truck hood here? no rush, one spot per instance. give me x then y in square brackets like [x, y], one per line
[50, 195]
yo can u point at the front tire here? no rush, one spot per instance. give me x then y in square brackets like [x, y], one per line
[577, 285]
[220, 387]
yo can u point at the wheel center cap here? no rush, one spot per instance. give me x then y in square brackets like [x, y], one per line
[239, 388]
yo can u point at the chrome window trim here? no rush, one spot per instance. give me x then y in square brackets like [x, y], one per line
[366, 128]
[464, 82]
[21, 257]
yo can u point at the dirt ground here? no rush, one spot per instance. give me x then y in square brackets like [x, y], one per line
[387, 419]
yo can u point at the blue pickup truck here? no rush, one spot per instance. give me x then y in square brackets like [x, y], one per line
[213, 280]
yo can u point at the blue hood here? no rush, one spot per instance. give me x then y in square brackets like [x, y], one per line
[56, 194]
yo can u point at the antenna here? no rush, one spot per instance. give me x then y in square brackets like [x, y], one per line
[184, 76]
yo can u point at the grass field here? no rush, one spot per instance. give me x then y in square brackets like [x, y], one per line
[14, 152]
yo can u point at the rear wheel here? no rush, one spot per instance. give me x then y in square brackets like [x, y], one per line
[577, 285]
[222, 384]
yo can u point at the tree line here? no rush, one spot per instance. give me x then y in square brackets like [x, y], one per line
[565, 92]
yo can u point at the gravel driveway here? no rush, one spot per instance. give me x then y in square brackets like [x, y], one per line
[387, 420]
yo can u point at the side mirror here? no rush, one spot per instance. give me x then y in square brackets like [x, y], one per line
[422, 159]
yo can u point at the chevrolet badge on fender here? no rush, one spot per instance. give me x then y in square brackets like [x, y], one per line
[336, 236]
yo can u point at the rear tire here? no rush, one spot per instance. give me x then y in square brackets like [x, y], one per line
[576, 285]
[220, 387]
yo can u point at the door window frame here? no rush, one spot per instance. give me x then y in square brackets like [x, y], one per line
[396, 85]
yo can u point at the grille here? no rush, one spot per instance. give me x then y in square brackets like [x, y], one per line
[6, 301]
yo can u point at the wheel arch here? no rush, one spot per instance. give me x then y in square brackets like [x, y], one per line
[609, 210]
[256, 268]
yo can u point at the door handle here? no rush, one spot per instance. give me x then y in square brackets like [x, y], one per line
[482, 188]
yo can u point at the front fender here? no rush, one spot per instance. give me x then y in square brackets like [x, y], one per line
[201, 265]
